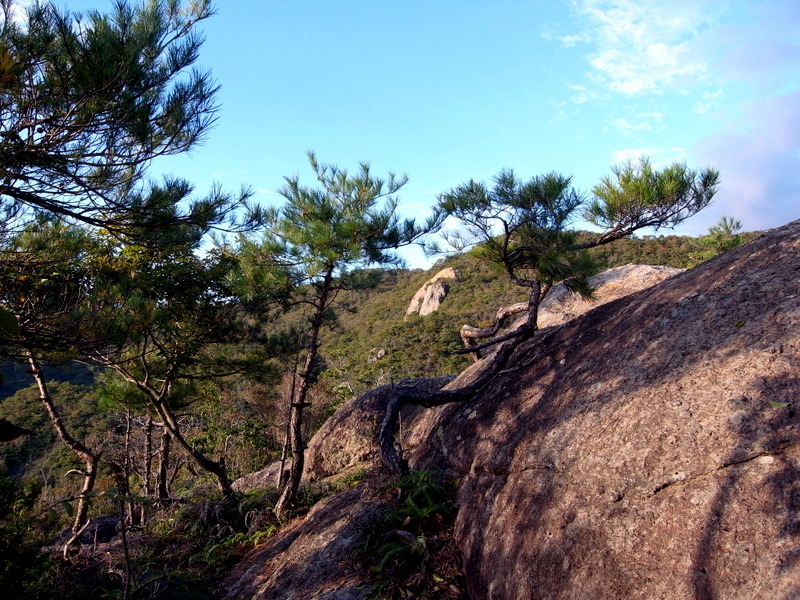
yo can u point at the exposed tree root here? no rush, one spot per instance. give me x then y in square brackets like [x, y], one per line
[402, 395]
[470, 334]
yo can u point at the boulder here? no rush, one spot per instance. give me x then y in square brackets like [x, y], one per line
[99, 530]
[649, 448]
[347, 439]
[561, 305]
[435, 293]
[260, 480]
[313, 556]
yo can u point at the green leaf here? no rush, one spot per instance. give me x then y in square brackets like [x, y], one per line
[740, 323]
[68, 508]
[774, 404]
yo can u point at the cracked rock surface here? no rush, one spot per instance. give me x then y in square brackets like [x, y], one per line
[647, 449]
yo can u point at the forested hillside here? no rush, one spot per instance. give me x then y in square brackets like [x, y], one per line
[248, 424]
[374, 319]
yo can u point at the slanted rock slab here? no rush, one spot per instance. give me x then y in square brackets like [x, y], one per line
[648, 449]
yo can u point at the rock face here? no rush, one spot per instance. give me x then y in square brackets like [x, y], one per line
[260, 480]
[648, 449]
[347, 439]
[561, 305]
[311, 558]
[431, 294]
[641, 450]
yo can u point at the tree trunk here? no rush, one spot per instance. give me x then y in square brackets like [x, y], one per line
[216, 468]
[469, 334]
[296, 445]
[403, 395]
[163, 466]
[282, 474]
[289, 492]
[127, 465]
[148, 457]
[156, 399]
[89, 458]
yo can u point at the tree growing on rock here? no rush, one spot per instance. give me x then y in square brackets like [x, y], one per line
[322, 237]
[525, 228]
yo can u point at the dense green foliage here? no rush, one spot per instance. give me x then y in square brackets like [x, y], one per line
[244, 418]
[410, 552]
[373, 319]
[322, 238]
[84, 109]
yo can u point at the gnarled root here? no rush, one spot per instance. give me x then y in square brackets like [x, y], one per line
[470, 334]
[402, 395]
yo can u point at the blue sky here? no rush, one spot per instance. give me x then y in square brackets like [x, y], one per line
[450, 90]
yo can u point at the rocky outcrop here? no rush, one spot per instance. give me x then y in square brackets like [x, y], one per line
[347, 439]
[312, 557]
[260, 480]
[647, 449]
[561, 305]
[431, 294]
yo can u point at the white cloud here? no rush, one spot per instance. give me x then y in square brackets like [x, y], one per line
[18, 8]
[572, 40]
[626, 127]
[725, 76]
[659, 157]
[709, 101]
[642, 46]
[626, 154]
[644, 122]
[581, 94]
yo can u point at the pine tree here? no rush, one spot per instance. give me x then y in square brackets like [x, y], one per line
[88, 101]
[322, 237]
[525, 227]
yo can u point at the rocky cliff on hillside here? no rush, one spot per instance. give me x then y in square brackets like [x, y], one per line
[431, 294]
[647, 449]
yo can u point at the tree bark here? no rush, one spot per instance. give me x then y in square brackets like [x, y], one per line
[89, 458]
[282, 474]
[469, 333]
[170, 424]
[163, 466]
[148, 457]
